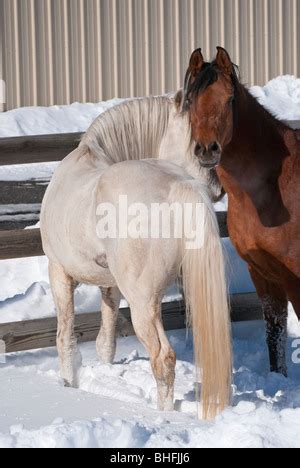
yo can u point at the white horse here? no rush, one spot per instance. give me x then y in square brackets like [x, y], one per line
[111, 162]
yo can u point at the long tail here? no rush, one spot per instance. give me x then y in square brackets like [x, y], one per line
[206, 295]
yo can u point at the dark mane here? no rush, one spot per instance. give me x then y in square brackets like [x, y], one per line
[209, 75]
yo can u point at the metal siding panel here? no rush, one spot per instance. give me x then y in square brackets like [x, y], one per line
[45, 54]
[12, 69]
[125, 48]
[2, 57]
[92, 43]
[60, 51]
[187, 34]
[140, 47]
[171, 45]
[290, 37]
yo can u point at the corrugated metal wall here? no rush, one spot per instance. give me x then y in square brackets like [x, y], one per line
[60, 51]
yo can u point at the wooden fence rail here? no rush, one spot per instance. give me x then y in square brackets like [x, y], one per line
[20, 244]
[37, 149]
[35, 334]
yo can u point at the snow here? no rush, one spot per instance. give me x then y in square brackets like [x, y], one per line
[56, 119]
[281, 96]
[22, 208]
[222, 205]
[40, 171]
[20, 212]
[115, 404]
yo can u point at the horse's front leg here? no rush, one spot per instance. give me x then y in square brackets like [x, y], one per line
[63, 286]
[106, 341]
[275, 309]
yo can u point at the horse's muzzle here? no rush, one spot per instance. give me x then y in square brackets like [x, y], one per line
[209, 156]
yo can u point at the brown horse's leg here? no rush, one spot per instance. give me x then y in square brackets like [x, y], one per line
[275, 308]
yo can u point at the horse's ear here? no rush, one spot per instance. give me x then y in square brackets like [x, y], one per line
[196, 63]
[224, 62]
[195, 66]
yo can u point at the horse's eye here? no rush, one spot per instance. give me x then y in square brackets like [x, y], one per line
[231, 101]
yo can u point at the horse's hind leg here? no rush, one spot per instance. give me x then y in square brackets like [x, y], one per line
[275, 308]
[106, 341]
[146, 319]
[63, 286]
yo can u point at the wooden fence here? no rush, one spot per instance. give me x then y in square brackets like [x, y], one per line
[19, 243]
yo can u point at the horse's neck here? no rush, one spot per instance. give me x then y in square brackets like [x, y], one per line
[254, 160]
[176, 144]
[259, 140]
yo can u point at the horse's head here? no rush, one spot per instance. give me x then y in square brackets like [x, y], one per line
[209, 97]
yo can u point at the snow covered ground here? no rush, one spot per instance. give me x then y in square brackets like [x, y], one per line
[115, 405]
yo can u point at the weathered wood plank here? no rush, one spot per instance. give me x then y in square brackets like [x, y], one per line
[35, 334]
[28, 243]
[20, 244]
[245, 307]
[23, 191]
[37, 149]
[12, 224]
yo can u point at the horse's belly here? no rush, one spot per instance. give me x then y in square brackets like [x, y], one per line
[84, 261]
[88, 271]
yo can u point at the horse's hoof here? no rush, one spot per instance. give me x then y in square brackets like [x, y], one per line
[68, 384]
[106, 361]
[167, 407]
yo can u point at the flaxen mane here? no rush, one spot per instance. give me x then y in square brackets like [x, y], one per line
[132, 130]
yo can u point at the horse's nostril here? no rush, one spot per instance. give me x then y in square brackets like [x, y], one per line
[199, 150]
[214, 147]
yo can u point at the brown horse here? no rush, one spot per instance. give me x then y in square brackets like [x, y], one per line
[257, 158]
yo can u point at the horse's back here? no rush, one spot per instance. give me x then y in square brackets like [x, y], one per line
[146, 181]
